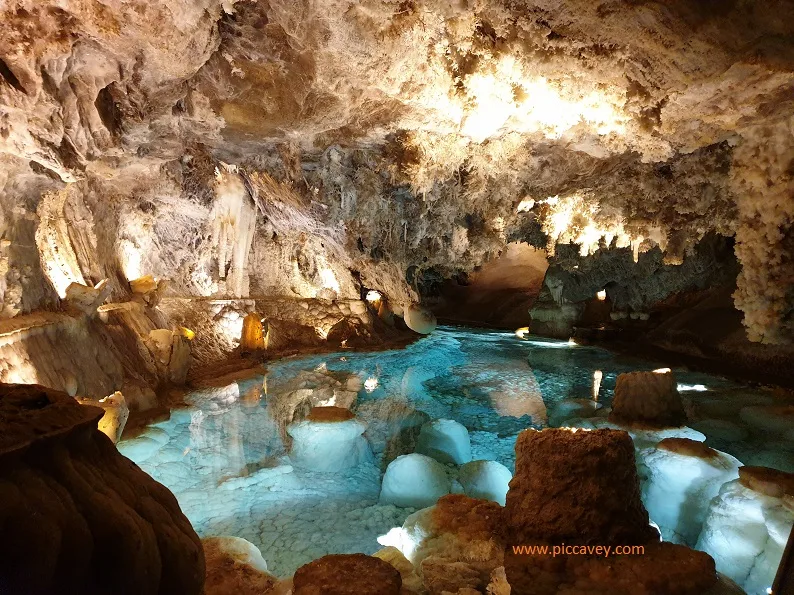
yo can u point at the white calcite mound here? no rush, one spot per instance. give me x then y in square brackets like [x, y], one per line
[419, 319]
[679, 477]
[648, 398]
[414, 481]
[330, 439]
[747, 526]
[446, 441]
[488, 480]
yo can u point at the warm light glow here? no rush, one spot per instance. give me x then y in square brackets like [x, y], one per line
[130, 257]
[662, 371]
[602, 295]
[525, 205]
[321, 332]
[597, 376]
[328, 279]
[522, 332]
[692, 387]
[370, 384]
[373, 296]
[503, 99]
[572, 341]
[187, 333]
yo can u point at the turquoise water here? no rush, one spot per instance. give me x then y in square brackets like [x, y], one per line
[225, 459]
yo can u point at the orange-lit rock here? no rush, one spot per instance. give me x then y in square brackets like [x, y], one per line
[253, 336]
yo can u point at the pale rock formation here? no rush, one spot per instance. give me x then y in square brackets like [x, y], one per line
[445, 440]
[329, 440]
[62, 476]
[419, 319]
[415, 481]
[488, 480]
[411, 582]
[679, 478]
[87, 299]
[456, 544]
[112, 423]
[235, 567]
[649, 398]
[747, 527]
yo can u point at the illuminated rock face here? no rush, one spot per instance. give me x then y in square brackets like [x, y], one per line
[420, 319]
[285, 150]
[235, 567]
[61, 476]
[116, 414]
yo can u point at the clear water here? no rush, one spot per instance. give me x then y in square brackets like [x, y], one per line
[224, 456]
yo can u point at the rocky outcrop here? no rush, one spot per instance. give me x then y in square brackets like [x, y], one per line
[235, 567]
[648, 398]
[78, 517]
[347, 574]
[576, 487]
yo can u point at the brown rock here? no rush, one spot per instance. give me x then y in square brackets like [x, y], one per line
[648, 398]
[235, 567]
[253, 335]
[347, 574]
[330, 414]
[576, 487]
[770, 482]
[688, 447]
[656, 569]
[77, 516]
[468, 518]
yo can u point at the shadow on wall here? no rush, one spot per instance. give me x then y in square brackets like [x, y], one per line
[499, 294]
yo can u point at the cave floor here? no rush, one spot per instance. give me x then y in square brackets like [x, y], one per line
[223, 455]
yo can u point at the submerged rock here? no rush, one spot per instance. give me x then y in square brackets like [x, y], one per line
[328, 440]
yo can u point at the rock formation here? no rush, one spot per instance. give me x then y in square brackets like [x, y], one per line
[280, 150]
[78, 517]
[347, 574]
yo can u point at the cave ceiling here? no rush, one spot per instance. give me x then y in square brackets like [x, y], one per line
[423, 133]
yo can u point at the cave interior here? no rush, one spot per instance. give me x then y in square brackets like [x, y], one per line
[396, 297]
